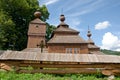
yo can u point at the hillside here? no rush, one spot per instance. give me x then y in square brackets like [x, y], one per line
[110, 52]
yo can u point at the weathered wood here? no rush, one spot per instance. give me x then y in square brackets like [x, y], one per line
[58, 57]
[5, 67]
[107, 72]
[114, 66]
[11, 63]
[80, 63]
[59, 71]
[116, 71]
[73, 70]
[107, 68]
[68, 65]
[111, 72]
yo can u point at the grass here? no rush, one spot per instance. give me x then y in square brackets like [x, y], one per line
[109, 52]
[40, 76]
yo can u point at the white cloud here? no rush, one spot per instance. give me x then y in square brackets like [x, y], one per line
[74, 23]
[51, 2]
[85, 7]
[76, 14]
[110, 42]
[102, 25]
[77, 4]
[48, 2]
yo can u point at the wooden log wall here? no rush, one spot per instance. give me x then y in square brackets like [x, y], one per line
[24, 66]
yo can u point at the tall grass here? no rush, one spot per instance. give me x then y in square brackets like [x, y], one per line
[40, 76]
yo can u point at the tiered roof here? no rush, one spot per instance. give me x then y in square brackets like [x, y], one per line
[67, 39]
[91, 44]
[64, 29]
[64, 34]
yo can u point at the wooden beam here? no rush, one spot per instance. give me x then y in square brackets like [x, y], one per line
[59, 71]
[70, 65]
[76, 67]
[111, 72]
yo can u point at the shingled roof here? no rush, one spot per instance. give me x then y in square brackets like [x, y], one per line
[65, 34]
[37, 21]
[90, 41]
[66, 29]
[36, 56]
[92, 46]
[1, 52]
[97, 52]
[67, 39]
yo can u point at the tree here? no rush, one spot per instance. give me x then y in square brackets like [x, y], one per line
[7, 28]
[15, 16]
[49, 31]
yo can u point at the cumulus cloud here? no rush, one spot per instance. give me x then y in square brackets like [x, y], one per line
[110, 42]
[102, 25]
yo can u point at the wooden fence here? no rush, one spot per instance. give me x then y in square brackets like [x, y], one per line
[56, 63]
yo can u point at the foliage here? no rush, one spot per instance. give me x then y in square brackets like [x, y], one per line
[49, 30]
[109, 52]
[40, 76]
[7, 28]
[15, 16]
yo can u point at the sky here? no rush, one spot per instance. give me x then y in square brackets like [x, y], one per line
[102, 17]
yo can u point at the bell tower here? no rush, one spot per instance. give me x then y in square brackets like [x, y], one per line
[36, 31]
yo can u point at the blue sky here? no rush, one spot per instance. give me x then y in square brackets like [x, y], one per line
[102, 16]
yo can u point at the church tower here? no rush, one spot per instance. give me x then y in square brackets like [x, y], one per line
[36, 32]
[91, 45]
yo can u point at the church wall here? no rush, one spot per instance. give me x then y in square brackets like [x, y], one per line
[62, 48]
[35, 28]
[33, 41]
[93, 49]
[55, 48]
[36, 34]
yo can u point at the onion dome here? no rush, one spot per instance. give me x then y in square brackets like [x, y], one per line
[37, 14]
[62, 18]
[63, 24]
[89, 34]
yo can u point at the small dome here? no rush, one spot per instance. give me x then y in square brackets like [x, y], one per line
[89, 34]
[37, 14]
[62, 18]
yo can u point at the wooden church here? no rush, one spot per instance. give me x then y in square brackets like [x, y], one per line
[66, 52]
[63, 39]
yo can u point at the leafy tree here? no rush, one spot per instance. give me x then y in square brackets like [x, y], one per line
[49, 30]
[7, 28]
[15, 16]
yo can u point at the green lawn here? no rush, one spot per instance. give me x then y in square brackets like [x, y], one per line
[40, 76]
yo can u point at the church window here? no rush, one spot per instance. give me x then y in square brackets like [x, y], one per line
[68, 50]
[73, 50]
